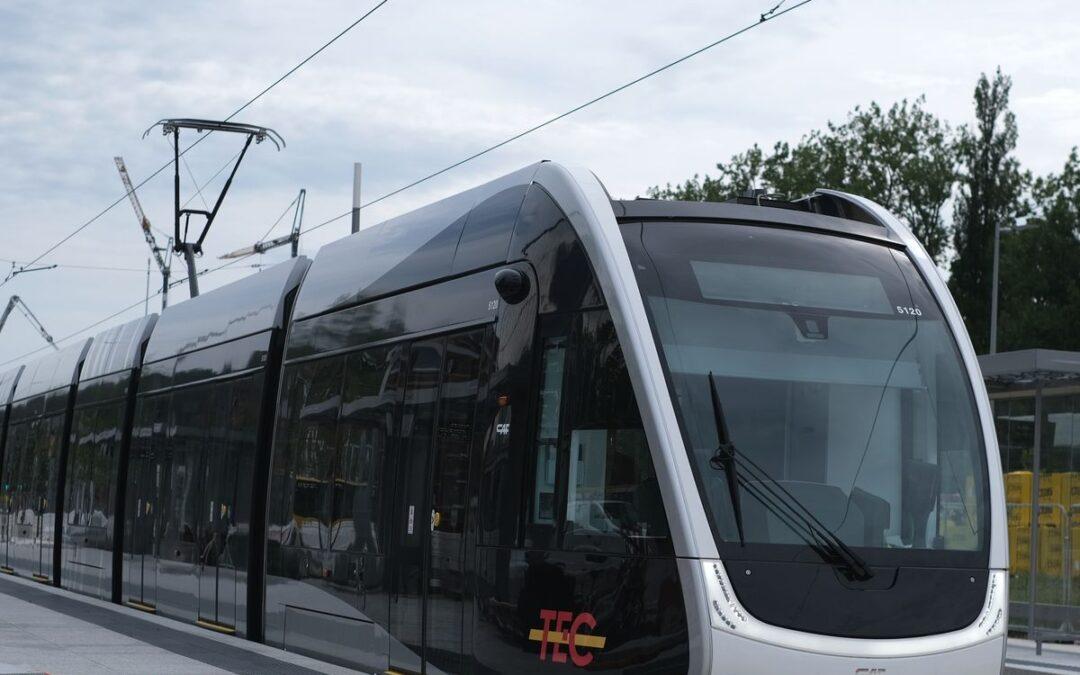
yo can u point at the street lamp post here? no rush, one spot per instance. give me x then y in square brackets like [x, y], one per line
[1021, 223]
[994, 297]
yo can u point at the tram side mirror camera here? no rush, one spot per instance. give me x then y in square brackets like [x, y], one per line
[512, 285]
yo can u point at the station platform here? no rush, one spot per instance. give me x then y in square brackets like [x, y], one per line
[48, 630]
[1021, 658]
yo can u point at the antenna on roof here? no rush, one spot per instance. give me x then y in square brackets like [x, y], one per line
[172, 127]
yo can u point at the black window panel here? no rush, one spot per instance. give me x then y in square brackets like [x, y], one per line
[148, 442]
[453, 439]
[93, 455]
[487, 233]
[594, 487]
[454, 302]
[31, 493]
[14, 460]
[149, 447]
[451, 456]
[95, 442]
[544, 236]
[181, 479]
[242, 431]
[367, 428]
[411, 518]
[305, 452]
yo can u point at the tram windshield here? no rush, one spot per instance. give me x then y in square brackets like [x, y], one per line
[820, 392]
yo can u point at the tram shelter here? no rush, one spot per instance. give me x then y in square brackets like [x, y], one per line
[1035, 394]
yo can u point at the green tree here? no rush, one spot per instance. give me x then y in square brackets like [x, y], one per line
[1040, 268]
[902, 158]
[991, 194]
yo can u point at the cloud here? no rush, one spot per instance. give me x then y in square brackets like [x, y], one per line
[421, 84]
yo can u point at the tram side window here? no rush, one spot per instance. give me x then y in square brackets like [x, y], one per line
[80, 500]
[94, 440]
[370, 396]
[594, 485]
[305, 452]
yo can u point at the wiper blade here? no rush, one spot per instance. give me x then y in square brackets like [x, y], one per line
[724, 457]
[775, 497]
[823, 541]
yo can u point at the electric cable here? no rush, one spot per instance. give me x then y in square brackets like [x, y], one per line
[203, 137]
[117, 313]
[773, 13]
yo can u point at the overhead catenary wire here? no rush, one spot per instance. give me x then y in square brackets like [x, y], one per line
[203, 137]
[278, 221]
[209, 180]
[120, 312]
[103, 268]
[773, 13]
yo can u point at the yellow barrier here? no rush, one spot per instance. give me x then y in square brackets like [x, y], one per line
[1019, 548]
[1017, 493]
[1051, 551]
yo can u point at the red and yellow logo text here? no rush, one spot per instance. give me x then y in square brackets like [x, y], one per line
[569, 630]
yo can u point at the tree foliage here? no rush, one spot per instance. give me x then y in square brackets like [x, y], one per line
[991, 194]
[1040, 268]
[915, 164]
[903, 158]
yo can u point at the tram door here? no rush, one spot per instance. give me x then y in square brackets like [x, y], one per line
[428, 548]
[217, 554]
[144, 475]
[46, 460]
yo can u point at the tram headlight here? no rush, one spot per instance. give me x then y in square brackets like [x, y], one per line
[995, 614]
[725, 611]
[728, 614]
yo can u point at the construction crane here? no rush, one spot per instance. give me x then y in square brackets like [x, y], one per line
[291, 238]
[162, 255]
[16, 301]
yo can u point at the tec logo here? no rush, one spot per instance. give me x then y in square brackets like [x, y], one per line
[566, 628]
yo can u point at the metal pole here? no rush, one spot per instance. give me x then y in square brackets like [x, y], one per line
[994, 298]
[356, 197]
[176, 185]
[146, 302]
[1035, 469]
[193, 279]
[165, 288]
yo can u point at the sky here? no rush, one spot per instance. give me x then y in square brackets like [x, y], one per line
[421, 84]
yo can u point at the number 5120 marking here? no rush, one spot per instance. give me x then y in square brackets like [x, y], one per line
[913, 311]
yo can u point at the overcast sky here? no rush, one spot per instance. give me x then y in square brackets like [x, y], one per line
[423, 83]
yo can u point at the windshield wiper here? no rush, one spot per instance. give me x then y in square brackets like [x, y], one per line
[724, 457]
[777, 499]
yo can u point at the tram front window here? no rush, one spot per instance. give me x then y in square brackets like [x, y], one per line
[845, 402]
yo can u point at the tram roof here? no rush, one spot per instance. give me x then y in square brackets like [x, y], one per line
[118, 348]
[7, 384]
[465, 232]
[1030, 366]
[817, 212]
[245, 307]
[52, 371]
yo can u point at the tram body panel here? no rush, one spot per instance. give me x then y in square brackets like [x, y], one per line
[35, 463]
[476, 438]
[200, 430]
[606, 250]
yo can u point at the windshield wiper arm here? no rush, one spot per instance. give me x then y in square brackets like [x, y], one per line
[724, 457]
[821, 539]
